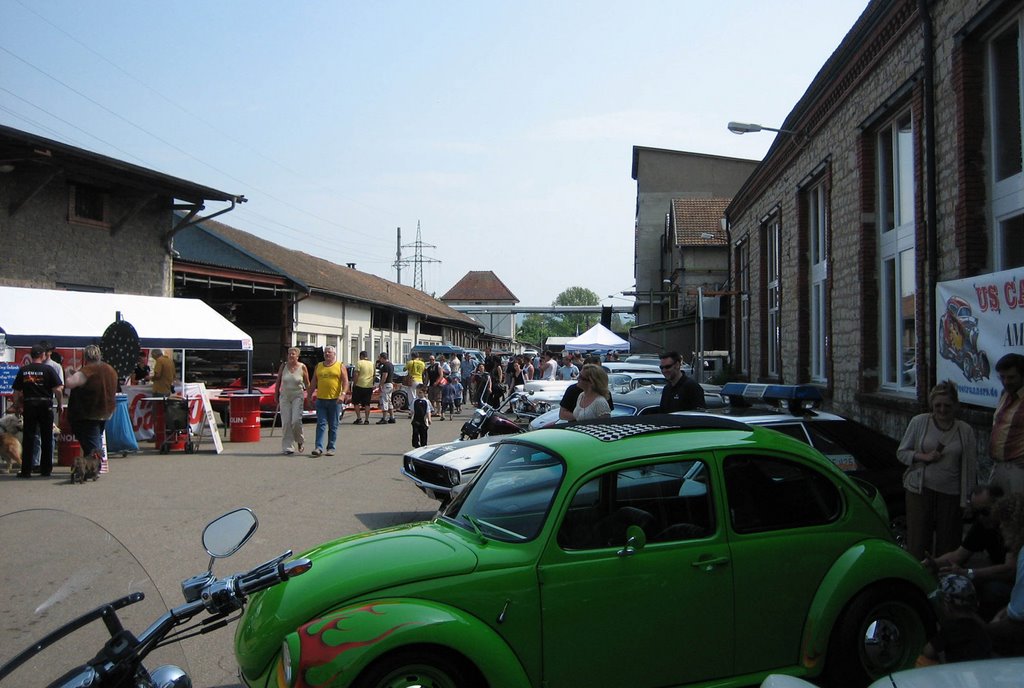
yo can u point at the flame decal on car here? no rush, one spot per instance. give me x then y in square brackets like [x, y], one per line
[324, 641]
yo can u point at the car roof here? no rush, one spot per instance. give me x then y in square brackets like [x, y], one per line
[630, 367]
[594, 443]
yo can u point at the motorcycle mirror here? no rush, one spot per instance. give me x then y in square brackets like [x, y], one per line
[224, 536]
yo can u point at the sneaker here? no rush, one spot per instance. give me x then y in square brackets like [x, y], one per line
[391, 420]
[288, 452]
[358, 421]
[315, 452]
[382, 421]
[329, 452]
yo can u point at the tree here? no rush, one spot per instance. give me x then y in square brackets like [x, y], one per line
[535, 328]
[576, 323]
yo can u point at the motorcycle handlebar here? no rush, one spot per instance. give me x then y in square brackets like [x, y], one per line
[257, 580]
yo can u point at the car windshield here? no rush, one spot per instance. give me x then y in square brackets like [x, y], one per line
[510, 499]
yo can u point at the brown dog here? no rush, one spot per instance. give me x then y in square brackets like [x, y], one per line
[86, 467]
[11, 426]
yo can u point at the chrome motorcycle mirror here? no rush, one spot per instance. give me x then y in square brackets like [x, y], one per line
[224, 536]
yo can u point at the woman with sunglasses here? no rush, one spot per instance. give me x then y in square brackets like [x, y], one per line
[593, 402]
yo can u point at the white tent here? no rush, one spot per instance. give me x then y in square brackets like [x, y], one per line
[597, 338]
[75, 319]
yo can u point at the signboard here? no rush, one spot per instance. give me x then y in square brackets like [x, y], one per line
[978, 321]
[7, 373]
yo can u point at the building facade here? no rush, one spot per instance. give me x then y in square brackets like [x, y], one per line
[73, 219]
[662, 177]
[901, 167]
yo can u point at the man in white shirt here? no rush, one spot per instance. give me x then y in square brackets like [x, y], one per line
[548, 366]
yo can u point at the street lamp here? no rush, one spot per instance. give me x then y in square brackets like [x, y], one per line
[745, 128]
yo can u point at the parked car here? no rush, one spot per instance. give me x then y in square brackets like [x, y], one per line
[624, 367]
[987, 672]
[440, 469]
[618, 552]
[620, 383]
[853, 447]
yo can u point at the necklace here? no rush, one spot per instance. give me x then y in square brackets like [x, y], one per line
[944, 429]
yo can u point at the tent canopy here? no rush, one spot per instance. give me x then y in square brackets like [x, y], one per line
[76, 318]
[597, 338]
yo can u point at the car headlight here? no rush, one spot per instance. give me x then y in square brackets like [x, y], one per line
[454, 476]
[410, 466]
[288, 663]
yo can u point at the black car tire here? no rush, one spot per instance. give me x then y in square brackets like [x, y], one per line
[899, 622]
[409, 668]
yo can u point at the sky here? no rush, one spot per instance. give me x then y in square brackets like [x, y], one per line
[503, 130]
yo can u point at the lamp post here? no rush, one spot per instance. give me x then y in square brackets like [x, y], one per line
[746, 128]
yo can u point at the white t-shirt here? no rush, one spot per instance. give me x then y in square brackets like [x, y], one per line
[549, 369]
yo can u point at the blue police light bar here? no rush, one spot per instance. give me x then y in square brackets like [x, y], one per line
[771, 393]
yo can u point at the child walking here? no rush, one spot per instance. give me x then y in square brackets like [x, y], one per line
[448, 398]
[456, 386]
[421, 412]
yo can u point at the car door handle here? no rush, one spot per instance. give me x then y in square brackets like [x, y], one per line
[708, 565]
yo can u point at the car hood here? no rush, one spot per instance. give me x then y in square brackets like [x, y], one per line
[345, 569]
[435, 451]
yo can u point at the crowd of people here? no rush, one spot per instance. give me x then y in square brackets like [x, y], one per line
[42, 388]
[976, 528]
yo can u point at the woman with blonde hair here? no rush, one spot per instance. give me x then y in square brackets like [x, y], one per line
[940, 453]
[593, 402]
[290, 392]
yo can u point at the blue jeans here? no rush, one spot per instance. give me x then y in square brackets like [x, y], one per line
[326, 420]
[89, 434]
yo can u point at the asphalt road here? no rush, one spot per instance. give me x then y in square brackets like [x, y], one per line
[157, 506]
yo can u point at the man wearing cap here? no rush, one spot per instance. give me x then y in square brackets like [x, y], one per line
[48, 359]
[35, 387]
[961, 635]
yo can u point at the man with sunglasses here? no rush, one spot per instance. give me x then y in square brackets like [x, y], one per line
[681, 393]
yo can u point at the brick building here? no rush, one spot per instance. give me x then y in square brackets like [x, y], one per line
[664, 177]
[900, 167]
[74, 219]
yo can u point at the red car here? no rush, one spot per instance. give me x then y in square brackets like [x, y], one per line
[263, 383]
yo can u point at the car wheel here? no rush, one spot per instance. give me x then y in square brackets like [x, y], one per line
[882, 630]
[399, 401]
[412, 669]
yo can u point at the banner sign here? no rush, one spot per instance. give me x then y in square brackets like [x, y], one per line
[8, 371]
[979, 320]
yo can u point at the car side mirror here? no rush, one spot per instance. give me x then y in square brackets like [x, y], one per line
[636, 539]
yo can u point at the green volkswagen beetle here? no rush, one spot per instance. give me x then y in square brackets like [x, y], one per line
[637, 551]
